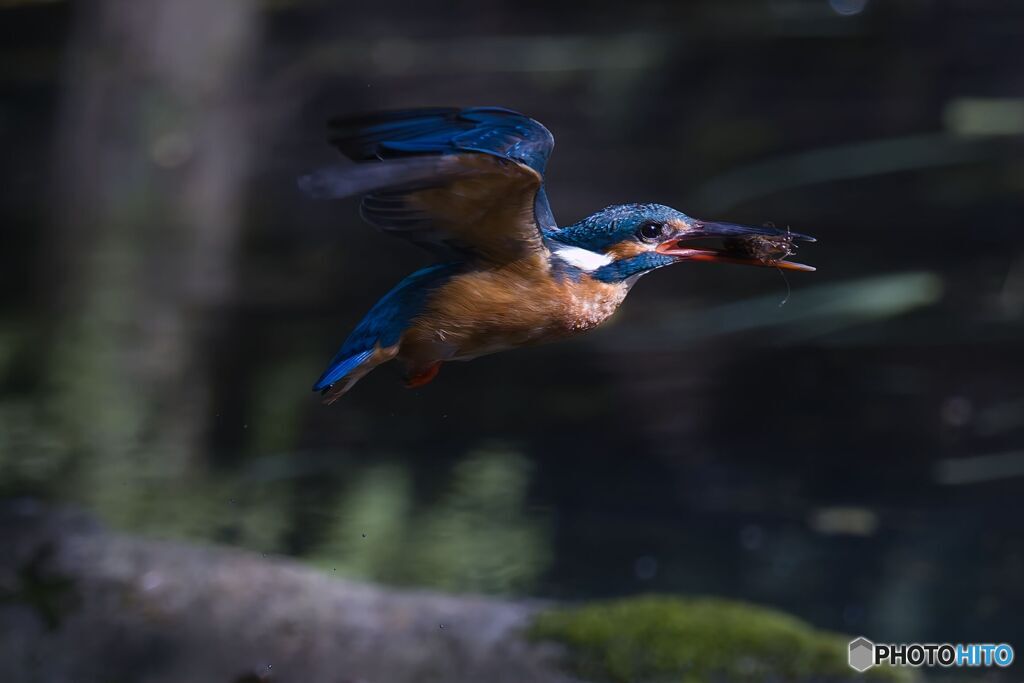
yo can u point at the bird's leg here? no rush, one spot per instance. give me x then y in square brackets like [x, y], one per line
[417, 377]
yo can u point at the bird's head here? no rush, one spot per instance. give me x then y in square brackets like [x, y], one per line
[628, 240]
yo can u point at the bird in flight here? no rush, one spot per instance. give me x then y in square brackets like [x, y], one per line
[468, 184]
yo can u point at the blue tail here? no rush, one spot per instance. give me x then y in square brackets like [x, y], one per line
[339, 369]
[384, 325]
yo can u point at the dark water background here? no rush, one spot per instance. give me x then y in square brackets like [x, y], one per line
[854, 456]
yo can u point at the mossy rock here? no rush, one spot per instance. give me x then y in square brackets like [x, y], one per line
[696, 640]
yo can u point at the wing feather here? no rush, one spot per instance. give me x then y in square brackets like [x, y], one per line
[468, 181]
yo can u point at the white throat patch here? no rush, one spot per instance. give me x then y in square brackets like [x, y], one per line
[584, 259]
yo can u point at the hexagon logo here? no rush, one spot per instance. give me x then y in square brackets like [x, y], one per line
[862, 654]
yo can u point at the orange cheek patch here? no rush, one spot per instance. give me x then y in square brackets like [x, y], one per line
[628, 249]
[677, 224]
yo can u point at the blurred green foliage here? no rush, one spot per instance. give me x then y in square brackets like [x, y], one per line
[477, 536]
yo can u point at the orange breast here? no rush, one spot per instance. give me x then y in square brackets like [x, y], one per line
[519, 304]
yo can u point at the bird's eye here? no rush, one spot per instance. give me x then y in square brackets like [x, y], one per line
[650, 231]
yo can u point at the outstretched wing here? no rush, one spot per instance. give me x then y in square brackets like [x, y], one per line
[469, 180]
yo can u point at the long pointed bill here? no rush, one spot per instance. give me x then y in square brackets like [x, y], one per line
[731, 243]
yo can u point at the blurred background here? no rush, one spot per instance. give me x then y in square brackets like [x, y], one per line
[847, 446]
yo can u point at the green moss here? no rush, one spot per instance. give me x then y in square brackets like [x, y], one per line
[664, 638]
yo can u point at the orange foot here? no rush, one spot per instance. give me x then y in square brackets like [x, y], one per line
[422, 377]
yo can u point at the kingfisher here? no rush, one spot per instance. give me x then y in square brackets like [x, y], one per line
[468, 185]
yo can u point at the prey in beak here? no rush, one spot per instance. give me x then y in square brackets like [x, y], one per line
[731, 243]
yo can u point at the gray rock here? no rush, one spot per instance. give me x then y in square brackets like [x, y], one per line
[84, 604]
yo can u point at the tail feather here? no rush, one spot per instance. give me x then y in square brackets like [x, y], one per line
[343, 374]
[339, 368]
[377, 337]
[339, 389]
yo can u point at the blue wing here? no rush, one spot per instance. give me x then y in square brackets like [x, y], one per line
[465, 180]
[489, 130]
[384, 325]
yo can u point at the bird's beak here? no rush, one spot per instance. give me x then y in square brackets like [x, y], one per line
[731, 243]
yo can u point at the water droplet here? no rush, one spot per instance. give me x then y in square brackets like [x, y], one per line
[751, 537]
[848, 8]
[364, 535]
[645, 568]
[957, 411]
[853, 615]
[151, 581]
[172, 149]
[441, 626]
